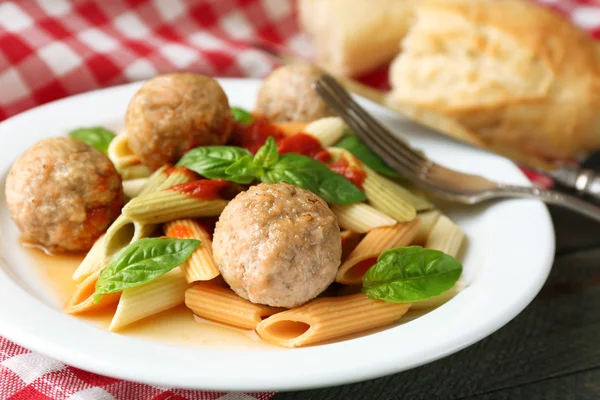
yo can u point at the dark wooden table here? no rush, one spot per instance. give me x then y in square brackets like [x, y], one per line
[550, 351]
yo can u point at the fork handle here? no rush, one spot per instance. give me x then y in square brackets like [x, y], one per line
[552, 197]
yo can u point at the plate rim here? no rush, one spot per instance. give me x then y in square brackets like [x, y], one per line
[19, 331]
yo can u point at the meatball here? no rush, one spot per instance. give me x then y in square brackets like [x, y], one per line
[277, 244]
[174, 113]
[287, 95]
[63, 194]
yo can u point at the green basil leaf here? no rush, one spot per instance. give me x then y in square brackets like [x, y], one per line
[411, 274]
[310, 174]
[241, 116]
[143, 261]
[243, 171]
[367, 156]
[212, 161]
[95, 136]
[267, 155]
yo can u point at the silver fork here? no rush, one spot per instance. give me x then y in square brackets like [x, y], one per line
[441, 181]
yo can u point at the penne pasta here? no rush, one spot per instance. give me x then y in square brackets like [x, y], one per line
[290, 128]
[120, 153]
[360, 217]
[437, 301]
[349, 242]
[168, 205]
[132, 188]
[221, 304]
[428, 220]
[136, 303]
[364, 256]
[127, 163]
[328, 318]
[92, 262]
[328, 130]
[389, 197]
[201, 265]
[83, 299]
[124, 230]
[134, 172]
[445, 236]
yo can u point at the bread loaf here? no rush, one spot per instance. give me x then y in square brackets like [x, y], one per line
[519, 76]
[353, 37]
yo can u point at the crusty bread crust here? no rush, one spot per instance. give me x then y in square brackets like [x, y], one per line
[516, 74]
[353, 37]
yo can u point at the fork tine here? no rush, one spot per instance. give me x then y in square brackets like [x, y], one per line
[406, 167]
[404, 154]
[370, 122]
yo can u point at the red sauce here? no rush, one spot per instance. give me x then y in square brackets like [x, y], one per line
[252, 136]
[354, 175]
[206, 189]
[180, 232]
[301, 143]
[361, 268]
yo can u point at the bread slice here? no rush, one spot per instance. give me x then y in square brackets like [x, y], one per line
[520, 77]
[353, 37]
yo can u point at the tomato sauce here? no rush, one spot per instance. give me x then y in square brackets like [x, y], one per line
[206, 189]
[304, 144]
[252, 136]
[354, 175]
[361, 268]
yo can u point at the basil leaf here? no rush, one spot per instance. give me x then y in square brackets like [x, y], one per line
[241, 116]
[411, 274]
[212, 161]
[95, 136]
[267, 155]
[310, 174]
[143, 261]
[368, 157]
[243, 171]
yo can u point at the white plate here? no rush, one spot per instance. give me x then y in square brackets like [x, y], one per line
[508, 257]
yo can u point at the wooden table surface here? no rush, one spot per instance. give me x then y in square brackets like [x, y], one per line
[550, 351]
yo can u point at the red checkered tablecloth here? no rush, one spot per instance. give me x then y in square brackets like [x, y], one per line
[55, 48]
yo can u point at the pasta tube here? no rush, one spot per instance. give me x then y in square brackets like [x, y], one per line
[428, 220]
[120, 153]
[328, 130]
[168, 205]
[201, 265]
[436, 301]
[134, 172]
[124, 230]
[222, 305]
[127, 163]
[389, 197]
[83, 297]
[364, 256]
[446, 236]
[360, 217]
[93, 261]
[139, 302]
[349, 242]
[328, 318]
[132, 188]
[290, 128]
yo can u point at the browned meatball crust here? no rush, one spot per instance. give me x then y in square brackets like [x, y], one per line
[173, 113]
[63, 194]
[286, 95]
[277, 244]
